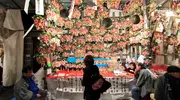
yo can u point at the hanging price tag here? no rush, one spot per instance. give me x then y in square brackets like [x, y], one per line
[39, 7]
[26, 6]
[49, 71]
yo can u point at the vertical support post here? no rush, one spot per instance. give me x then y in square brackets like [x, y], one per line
[135, 47]
[140, 50]
[131, 51]
[146, 21]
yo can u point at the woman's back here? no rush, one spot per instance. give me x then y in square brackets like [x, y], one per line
[89, 93]
[89, 71]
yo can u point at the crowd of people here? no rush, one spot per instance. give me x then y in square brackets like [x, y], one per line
[166, 87]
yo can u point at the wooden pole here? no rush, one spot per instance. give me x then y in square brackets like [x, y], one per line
[146, 21]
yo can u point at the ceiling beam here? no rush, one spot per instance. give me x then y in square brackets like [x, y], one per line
[31, 3]
[2, 5]
[16, 4]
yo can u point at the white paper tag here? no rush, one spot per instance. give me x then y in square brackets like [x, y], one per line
[115, 13]
[39, 7]
[26, 6]
[49, 71]
[71, 9]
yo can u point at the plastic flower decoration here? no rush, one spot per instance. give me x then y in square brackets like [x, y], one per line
[108, 37]
[113, 4]
[134, 40]
[132, 6]
[87, 21]
[102, 13]
[145, 42]
[45, 38]
[97, 38]
[52, 47]
[100, 2]
[78, 24]
[59, 49]
[74, 31]
[95, 30]
[68, 24]
[50, 15]
[67, 47]
[122, 44]
[60, 22]
[80, 52]
[81, 40]
[67, 38]
[39, 22]
[116, 24]
[89, 12]
[114, 31]
[55, 41]
[102, 30]
[41, 60]
[54, 31]
[76, 13]
[96, 24]
[83, 31]
[56, 4]
[78, 2]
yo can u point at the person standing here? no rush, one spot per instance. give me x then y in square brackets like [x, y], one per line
[167, 87]
[87, 81]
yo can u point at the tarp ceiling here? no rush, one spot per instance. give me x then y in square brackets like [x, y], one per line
[19, 4]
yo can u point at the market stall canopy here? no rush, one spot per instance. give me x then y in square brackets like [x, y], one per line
[19, 4]
[16, 4]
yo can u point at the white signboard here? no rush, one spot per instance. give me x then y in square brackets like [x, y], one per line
[115, 13]
[39, 7]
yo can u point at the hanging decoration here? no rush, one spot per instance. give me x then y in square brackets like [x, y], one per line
[89, 31]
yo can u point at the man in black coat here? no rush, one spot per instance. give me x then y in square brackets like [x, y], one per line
[89, 71]
[1, 73]
[167, 87]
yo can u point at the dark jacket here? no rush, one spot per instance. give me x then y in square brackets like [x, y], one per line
[1, 74]
[145, 82]
[167, 88]
[87, 82]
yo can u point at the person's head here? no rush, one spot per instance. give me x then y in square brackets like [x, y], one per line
[88, 60]
[140, 66]
[174, 71]
[27, 71]
[132, 66]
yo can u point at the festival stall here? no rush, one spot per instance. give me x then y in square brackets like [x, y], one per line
[108, 30]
